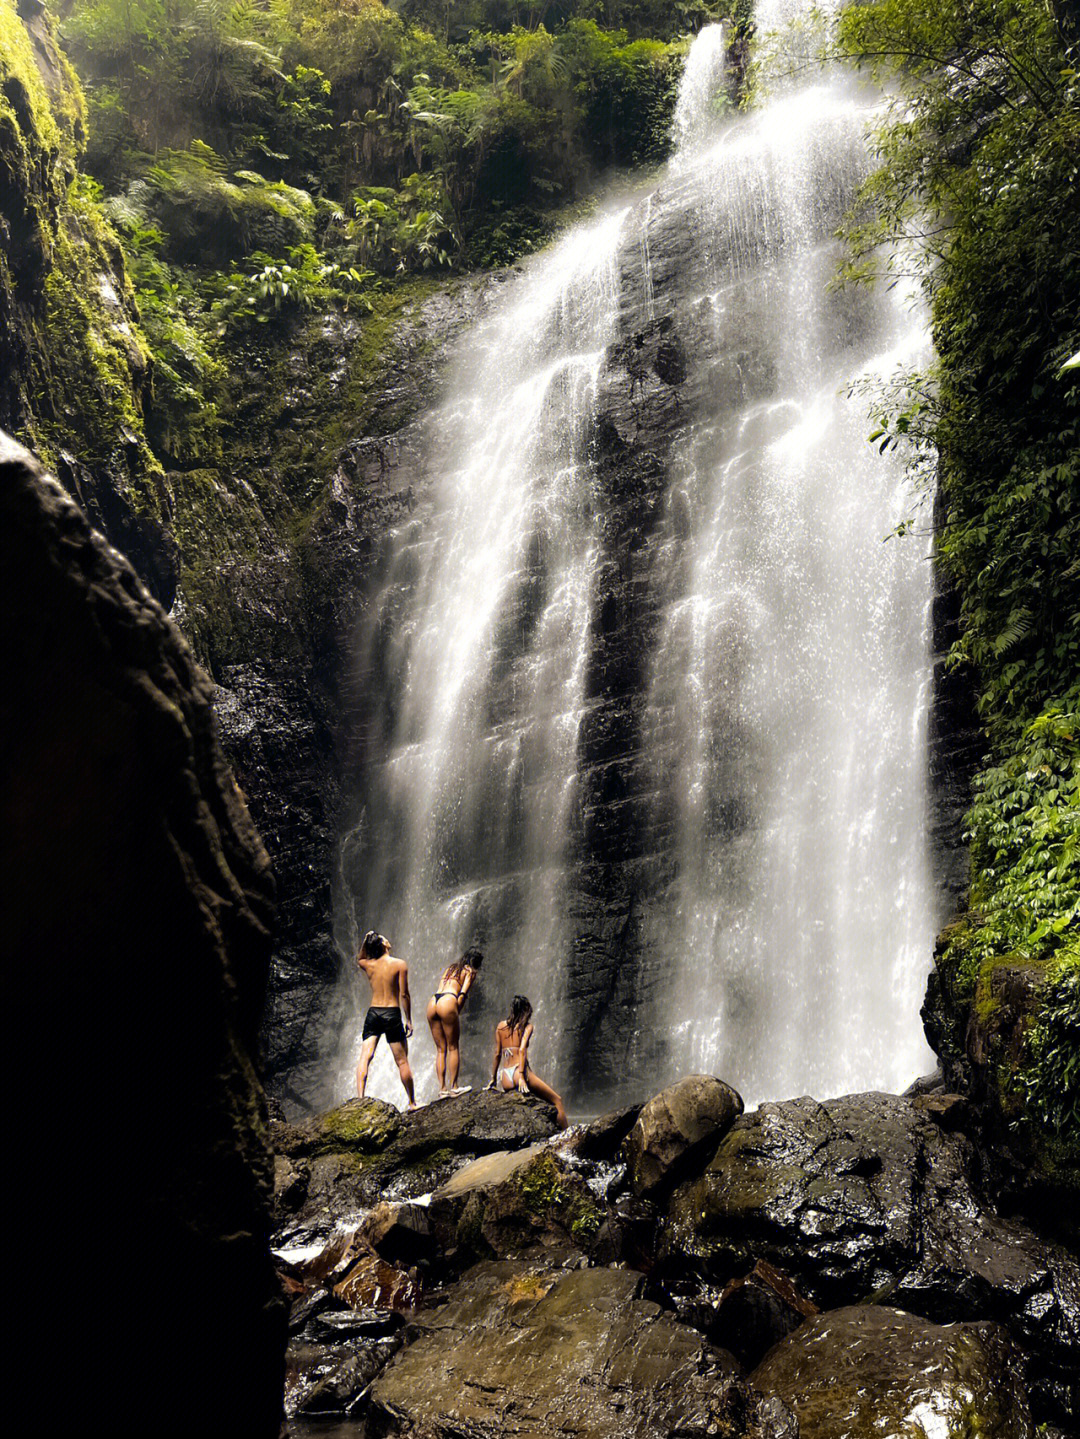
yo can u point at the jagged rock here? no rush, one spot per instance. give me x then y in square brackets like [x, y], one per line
[981, 1035]
[333, 1378]
[868, 1195]
[676, 1128]
[342, 1389]
[525, 1351]
[371, 1283]
[748, 1315]
[141, 927]
[865, 1370]
[602, 1138]
[400, 1233]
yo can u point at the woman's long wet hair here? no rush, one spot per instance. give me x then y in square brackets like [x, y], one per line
[373, 945]
[520, 1014]
[471, 959]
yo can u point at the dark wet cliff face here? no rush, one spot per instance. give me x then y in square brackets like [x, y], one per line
[138, 925]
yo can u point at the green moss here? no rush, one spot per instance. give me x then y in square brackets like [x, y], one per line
[24, 100]
[547, 1193]
[366, 1128]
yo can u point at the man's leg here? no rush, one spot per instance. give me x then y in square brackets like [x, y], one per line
[367, 1049]
[400, 1051]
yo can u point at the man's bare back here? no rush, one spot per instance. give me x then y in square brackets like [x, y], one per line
[385, 976]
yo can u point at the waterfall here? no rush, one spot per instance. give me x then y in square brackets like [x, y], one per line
[649, 689]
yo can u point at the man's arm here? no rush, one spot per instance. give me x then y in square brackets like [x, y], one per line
[406, 999]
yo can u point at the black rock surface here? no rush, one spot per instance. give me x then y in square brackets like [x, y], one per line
[137, 928]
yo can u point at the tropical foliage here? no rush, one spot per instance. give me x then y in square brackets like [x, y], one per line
[978, 193]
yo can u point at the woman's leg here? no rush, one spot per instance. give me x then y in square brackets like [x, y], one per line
[436, 1026]
[545, 1091]
[448, 1013]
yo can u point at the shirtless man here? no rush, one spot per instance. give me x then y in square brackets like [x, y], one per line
[389, 980]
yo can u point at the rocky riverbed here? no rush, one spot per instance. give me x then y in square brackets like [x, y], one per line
[677, 1268]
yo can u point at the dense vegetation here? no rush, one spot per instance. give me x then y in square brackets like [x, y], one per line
[979, 181]
[263, 158]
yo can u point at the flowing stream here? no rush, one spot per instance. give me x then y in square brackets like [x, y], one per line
[743, 884]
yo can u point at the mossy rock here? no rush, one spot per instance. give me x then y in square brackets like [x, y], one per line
[365, 1126]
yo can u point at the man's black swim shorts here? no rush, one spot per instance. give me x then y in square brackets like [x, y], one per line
[386, 1021]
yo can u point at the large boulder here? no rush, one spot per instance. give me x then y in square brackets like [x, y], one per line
[364, 1151]
[676, 1129]
[869, 1196]
[140, 908]
[522, 1351]
[865, 1370]
[514, 1204]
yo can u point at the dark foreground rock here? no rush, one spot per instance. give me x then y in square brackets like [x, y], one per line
[525, 1351]
[138, 931]
[868, 1197]
[870, 1371]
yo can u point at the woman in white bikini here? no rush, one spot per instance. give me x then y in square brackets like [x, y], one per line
[444, 1007]
[510, 1068]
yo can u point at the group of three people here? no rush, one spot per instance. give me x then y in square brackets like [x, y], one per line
[390, 1015]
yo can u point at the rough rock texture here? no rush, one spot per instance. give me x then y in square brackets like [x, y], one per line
[747, 1315]
[868, 1196]
[867, 1371]
[140, 932]
[520, 1351]
[500, 1208]
[330, 450]
[676, 1128]
[366, 1150]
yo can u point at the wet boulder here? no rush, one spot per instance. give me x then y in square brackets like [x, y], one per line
[869, 1196]
[868, 1371]
[365, 1150]
[677, 1129]
[511, 1205]
[523, 1350]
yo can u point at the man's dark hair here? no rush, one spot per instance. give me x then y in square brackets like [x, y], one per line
[374, 946]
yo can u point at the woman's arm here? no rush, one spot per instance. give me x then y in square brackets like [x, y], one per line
[495, 1060]
[524, 1067]
[466, 984]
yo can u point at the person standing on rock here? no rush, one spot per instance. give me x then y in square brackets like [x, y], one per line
[389, 980]
[510, 1068]
[444, 1007]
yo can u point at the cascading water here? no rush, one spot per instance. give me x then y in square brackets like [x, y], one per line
[708, 852]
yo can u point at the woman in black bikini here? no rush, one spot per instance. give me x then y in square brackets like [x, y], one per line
[442, 1016]
[510, 1068]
